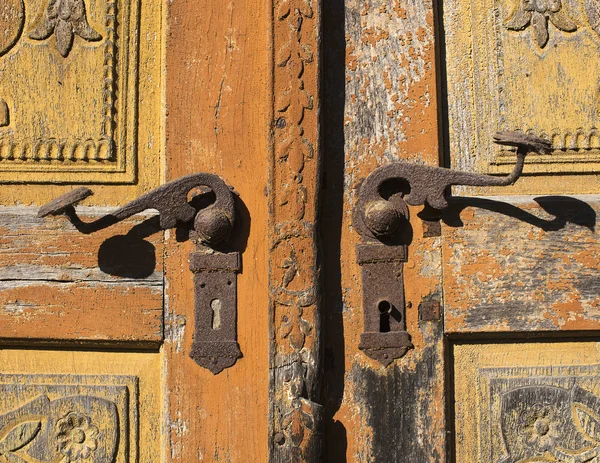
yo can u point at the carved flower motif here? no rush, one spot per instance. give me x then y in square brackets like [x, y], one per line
[64, 18]
[538, 13]
[541, 426]
[76, 436]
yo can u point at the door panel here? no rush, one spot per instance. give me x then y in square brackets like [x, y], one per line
[100, 320]
[523, 401]
[518, 268]
[98, 323]
[84, 106]
[504, 72]
[92, 406]
[521, 265]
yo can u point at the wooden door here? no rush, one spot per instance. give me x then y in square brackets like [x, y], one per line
[506, 369]
[293, 103]
[98, 321]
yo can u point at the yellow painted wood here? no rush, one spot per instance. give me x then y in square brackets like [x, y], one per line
[507, 70]
[80, 107]
[553, 382]
[130, 381]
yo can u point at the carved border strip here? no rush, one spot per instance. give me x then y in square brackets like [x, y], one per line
[293, 267]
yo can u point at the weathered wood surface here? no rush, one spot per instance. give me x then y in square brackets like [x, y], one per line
[218, 96]
[294, 273]
[379, 105]
[74, 403]
[526, 401]
[518, 265]
[59, 284]
[81, 109]
[506, 74]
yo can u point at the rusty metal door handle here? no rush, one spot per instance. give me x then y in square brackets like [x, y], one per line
[380, 216]
[215, 343]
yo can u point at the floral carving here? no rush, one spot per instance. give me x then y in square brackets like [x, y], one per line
[541, 426]
[294, 196]
[538, 13]
[76, 436]
[64, 19]
[550, 424]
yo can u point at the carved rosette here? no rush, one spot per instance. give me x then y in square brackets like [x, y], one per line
[294, 273]
[68, 418]
[547, 423]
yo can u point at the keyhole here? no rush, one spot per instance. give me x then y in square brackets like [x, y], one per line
[215, 305]
[385, 309]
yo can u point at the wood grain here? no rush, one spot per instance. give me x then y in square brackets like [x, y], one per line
[387, 108]
[219, 118]
[52, 286]
[522, 266]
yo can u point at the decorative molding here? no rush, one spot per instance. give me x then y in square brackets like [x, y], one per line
[59, 151]
[68, 418]
[108, 152]
[294, 271]
[540, 413]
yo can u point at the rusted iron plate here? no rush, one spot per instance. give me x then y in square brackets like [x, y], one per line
[215, 343]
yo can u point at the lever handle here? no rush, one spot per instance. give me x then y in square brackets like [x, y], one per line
[214, 224]
[377, 217]
[214, 345]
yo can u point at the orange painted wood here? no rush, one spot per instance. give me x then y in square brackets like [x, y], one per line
[388, 112]
[527, 265]
[52, 287]
[219, 101]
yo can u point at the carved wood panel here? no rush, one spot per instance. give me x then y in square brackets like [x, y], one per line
[528, 402]
[68, 76]
[80, 96]
[62, 406]
[50, 418]
[526, 65]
